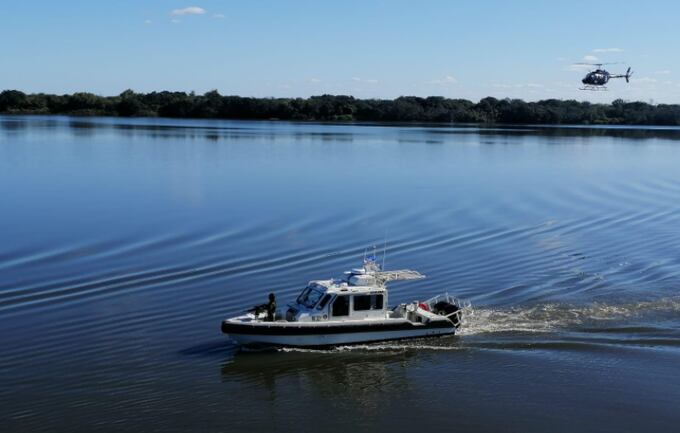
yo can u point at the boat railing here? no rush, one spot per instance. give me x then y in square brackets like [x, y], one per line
[402, 274]
[465, 307]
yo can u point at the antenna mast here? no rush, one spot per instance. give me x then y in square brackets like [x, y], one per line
[384, 250]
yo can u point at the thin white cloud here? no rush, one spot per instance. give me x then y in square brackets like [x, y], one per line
[517, 86]
[644, 80]
[147, 22]
[449, 79]
[175, 21]
[191, 10]
[218, 16]
[663, 72]
[364, 80]
[314, 80]
[590, 58]
[607, 50]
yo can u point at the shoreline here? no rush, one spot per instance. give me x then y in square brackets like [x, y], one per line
[509, 127]
[488, 111]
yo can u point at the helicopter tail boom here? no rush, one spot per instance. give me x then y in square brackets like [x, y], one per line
[627, 75]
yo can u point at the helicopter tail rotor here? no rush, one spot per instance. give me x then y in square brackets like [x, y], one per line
[628, 74]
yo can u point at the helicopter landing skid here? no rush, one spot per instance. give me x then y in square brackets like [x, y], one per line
[594, 88]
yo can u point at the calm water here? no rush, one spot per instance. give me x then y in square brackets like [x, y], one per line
[124, 243]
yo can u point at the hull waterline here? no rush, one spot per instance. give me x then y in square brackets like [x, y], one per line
[325, 336]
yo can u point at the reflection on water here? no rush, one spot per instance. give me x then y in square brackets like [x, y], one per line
[125, 242]
[408, 132]
[360, 374]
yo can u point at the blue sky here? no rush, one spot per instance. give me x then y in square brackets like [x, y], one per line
[368, 48]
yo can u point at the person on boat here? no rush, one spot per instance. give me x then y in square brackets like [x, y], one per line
[270, 308]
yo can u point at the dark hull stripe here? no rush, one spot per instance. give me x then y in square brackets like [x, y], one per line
[358, 343]
[245, 329]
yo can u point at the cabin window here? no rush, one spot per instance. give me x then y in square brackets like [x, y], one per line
[303, 295]
[341, 306]
[310, 296]
[362, 302]
[376, 302]
[324, 301]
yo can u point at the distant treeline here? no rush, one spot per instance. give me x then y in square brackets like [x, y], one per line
[212, 105]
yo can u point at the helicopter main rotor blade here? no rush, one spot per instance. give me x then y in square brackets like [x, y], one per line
[597, 64]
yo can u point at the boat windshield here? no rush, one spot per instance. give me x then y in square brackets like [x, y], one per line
[310, 296]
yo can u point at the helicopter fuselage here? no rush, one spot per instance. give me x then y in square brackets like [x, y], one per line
[598, 77]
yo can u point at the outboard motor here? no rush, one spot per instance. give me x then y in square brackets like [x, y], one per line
[450, 311]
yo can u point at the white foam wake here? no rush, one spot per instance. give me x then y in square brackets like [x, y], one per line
[554, 316]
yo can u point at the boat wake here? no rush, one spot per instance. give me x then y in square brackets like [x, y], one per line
[380, 347]
[550, 317]
[641, 322]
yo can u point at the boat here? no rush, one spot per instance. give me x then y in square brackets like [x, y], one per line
[350, 310]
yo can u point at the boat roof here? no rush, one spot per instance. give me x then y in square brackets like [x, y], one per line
[342, 287]
[372, 281]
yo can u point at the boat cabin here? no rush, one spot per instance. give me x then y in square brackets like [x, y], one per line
[339, 300]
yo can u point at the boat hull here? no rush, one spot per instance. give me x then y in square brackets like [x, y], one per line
[308, 335]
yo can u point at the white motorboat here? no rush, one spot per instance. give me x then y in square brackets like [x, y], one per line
[348, 311]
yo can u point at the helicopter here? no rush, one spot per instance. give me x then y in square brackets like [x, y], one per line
[596, 80]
